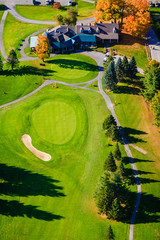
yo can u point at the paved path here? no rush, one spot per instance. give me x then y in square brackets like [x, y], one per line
[152, 40]
[2, 50]
[138, 148]
[99, 59]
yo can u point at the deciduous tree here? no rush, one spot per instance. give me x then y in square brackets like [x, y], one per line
[155, 105]
[42, 47]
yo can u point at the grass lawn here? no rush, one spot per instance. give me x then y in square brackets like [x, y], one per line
[54, 200]
[69, 68]
[15, 30]
[28, 52]
[47, 13]
[135, 116]
[132, 46]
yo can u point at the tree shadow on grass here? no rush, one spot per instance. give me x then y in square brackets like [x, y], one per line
[20, 182]
[129, 132]
[127, 90]
[74, 64]
[28, 70]
[17, 209]
[126, 160]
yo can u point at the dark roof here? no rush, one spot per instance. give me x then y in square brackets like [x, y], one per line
[84, 38]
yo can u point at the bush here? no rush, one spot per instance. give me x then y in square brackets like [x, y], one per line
[57, 5]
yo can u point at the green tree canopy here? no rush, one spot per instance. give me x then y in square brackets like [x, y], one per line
[117, 152]
[12, 59]
[125, 66]
[109, 234]
[1, 65]
[119, 70]
[110, 164]
[110, 78]
[132, 68]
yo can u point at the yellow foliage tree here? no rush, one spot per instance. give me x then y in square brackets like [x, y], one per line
[135, 13]
[42, 47]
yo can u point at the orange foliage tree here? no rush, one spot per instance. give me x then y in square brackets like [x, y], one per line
[135, 13]
[42, 47]
[138, 19]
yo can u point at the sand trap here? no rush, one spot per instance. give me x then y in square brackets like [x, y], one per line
[26, 139]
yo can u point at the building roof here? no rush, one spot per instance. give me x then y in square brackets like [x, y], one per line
[33, 41]
[84, 38]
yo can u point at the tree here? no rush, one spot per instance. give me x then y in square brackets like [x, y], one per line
[60, 19]
[72, 16]
[132, 68]
[110, 59]
[117, 152]
[119, 70]
[1, 64]
[114, 133]
[116, 210]
[108, 122]
[151, 79]
[137, 21]
[42, 47]
[109, 234]
[109, 10]
[109, 164]
[125, 66]
[110, 79]
[12, 59]
[121, 169]
[155, 106]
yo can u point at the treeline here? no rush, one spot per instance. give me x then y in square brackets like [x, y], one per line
[151, 90]
[111, 191]
[115, 73]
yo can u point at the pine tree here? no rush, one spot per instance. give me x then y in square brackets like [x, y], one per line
[109, 234]
[132, 68]
[110, 164]
[117, 152]
[1, 64]
[110, 79]
[121, 169]
[125, 66]
[114, 133]
[119, 70]
[12, 59]
[108, 122]
[116, 210]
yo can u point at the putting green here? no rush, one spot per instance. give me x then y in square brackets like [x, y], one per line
[55, 122]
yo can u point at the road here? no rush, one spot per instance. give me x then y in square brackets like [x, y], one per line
[152, 41]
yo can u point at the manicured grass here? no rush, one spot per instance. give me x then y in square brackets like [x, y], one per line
[132, 46]
[28, 76]
[15, 30]
[54, 200]
[47, 13]
[72, 68]
[136, 118]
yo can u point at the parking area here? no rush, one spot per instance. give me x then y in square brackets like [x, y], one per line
[31, 2]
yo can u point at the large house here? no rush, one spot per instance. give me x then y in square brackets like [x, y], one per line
[67, 38]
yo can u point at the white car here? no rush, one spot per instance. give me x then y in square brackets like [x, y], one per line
[156, 4]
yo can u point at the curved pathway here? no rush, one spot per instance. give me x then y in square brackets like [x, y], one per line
[2, 50]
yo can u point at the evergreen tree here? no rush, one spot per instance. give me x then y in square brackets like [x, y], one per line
[125, 66]
[110, 79]
[119, 70]
[117, 152]
[110, 164]
[12, 59]
[108, 122]
[1, 64]
[132, 68]
[114, 133]
[110, 59]
[109, 234]
[121, 169]
[116, 210]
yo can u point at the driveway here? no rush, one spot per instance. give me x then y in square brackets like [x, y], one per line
[152, 40]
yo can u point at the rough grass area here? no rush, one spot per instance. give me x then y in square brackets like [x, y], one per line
[132, 46]
[54, 199]
[136, 118]
[15, 30]
[47, 13]
[29, 75]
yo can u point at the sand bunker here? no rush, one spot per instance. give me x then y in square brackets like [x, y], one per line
[26, 139]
